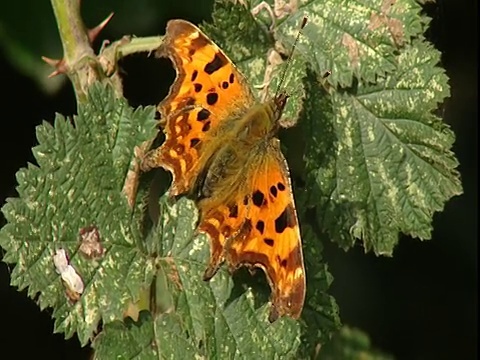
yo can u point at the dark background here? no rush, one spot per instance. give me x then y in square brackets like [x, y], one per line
[420, 304]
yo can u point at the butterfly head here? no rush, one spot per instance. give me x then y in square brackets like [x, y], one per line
[279, 101]
[278, 104]
[268, 118]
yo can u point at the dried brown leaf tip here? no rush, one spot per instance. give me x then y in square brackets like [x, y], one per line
[383, 19]
[90, 245]
[60, 65]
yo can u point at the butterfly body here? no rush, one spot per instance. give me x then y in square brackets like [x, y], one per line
[234, 151]
[221, 149]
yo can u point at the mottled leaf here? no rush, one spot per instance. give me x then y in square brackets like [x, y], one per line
[219, 318]
[78, 183]
[391, 165]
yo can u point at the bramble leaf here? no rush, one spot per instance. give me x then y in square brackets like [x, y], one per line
[221, 317]
[78, 183]
[390, 167]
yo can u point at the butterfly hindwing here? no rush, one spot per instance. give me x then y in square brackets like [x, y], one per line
[261, 229]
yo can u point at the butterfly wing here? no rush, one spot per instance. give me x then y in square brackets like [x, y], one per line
[259, 227]
[208, 92]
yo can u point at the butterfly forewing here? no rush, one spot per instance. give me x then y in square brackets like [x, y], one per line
[207, 92]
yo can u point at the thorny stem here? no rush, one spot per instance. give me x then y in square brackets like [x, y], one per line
[80, 61]
[72, 31]
[82, 65]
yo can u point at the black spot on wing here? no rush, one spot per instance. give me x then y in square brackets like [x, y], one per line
[194, 75]
[194, 142]
[203, 114]
[233, 211]
[231, 78]
[258, 198]
[212, 98]
[260, 226]
[269, 241]
[273, 190]
[286, 219]
[206, 126]
[217, 63]
[280, 186]
[225, 85]
[197, 87]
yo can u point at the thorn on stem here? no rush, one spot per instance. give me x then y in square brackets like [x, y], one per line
[94, 32]
[60, 65]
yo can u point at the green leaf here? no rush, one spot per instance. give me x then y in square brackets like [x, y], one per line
[320, 314]
[250, 45]
[391, 167]
[212, 319]
[350, 344]
[353, 39]
[78, 183]
[147, 338]
[357, 39]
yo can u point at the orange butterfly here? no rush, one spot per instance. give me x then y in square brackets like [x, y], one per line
[221, 149]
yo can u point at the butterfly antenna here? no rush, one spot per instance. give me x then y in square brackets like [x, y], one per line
[289, 59]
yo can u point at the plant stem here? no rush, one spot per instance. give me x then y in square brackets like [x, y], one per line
[79, 58]
[136, 45]
[80, 62]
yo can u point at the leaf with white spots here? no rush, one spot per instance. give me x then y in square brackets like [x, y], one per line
[320, 313]
[78, 182]
[160, 338]
[391, 166]
[252, 48]
[220, 318]
[352, 39]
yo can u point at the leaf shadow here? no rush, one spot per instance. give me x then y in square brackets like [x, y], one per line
[253, 279]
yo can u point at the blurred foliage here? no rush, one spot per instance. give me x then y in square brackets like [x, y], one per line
[25, 45]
